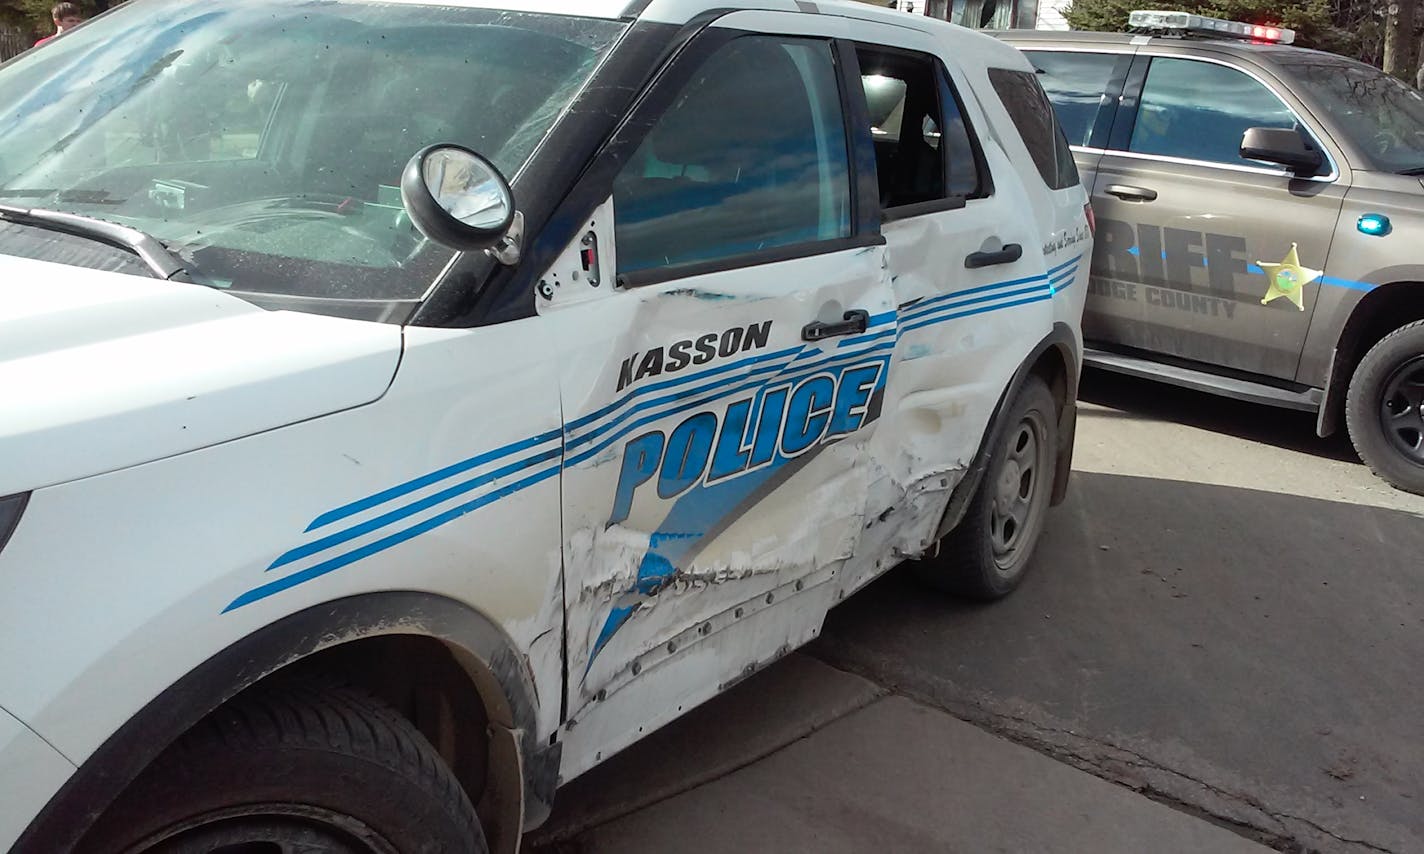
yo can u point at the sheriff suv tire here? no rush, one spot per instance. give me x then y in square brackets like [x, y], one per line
[301, 768]
[1384, 409]
[986, 555]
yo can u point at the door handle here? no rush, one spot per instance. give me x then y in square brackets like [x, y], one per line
[856, 321]
[1132, 194]
[1008, 255]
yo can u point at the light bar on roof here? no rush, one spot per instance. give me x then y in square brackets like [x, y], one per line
[1185, 23]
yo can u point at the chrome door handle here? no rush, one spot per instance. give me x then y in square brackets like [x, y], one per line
[1133, 194]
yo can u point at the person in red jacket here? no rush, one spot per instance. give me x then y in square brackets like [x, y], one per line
[66, 17]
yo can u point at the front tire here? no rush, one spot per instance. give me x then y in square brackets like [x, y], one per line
[297, 769]
[1384, 408]
[987, 554]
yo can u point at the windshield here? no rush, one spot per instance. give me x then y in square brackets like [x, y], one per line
[1381, 115]
[263, 141]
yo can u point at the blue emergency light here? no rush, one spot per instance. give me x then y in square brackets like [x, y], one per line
[1373, 224]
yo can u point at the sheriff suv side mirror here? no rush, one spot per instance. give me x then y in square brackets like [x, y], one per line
[1284, 146]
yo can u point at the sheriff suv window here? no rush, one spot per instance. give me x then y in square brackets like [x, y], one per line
[1033, 115]
[1076, 83]
[1382, 116]
[751, 156]
[1199, 111]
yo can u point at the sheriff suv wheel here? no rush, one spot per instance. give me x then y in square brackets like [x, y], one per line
[1384, 409]
[986, 555]
[299, 769]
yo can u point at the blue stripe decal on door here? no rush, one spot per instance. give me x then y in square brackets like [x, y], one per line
[538, 457]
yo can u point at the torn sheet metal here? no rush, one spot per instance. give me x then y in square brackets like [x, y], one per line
[712, 453]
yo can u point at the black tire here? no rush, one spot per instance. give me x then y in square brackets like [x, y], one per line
[988, 552]
[296, 768]
[1384, 409]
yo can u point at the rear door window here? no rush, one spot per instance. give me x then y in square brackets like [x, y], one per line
[924, 149]
[905, 124]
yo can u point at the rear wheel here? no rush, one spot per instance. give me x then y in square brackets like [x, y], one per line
[986, 555]
[1384, 409]
[297, 770]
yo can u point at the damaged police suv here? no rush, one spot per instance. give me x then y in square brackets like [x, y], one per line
[406, 406]
[1259, 209]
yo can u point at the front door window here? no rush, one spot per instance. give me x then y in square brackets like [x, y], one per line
[739, 164]
[1199, 111]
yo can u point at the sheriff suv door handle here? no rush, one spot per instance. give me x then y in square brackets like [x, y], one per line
[1008, 255]
[856, 321]
[1130, 193]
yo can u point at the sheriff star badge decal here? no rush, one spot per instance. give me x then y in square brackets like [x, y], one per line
[1288, 279]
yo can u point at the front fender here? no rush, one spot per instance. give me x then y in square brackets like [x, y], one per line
[159, 723]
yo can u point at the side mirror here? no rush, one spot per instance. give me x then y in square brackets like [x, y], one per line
[457, 198]
[1281, 145]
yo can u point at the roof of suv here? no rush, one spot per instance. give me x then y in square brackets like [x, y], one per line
[1081, 37]
[679, 12]
[683, 11]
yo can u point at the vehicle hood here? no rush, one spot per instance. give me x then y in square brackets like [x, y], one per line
[100, 371]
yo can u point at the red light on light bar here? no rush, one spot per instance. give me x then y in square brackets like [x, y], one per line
[1269, 34]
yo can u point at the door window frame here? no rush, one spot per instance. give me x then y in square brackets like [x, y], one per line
[949, 93]
[1121, 134]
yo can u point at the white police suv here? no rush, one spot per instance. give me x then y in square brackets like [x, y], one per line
[353, 497]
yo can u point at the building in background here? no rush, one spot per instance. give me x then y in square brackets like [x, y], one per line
[988, 14]
[13, 42]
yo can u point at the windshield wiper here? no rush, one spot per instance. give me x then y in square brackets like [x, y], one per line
[1416, 170]
[159, 259]
[82, 197]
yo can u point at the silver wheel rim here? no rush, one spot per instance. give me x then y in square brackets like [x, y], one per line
[1018, 482]
[269, 829]
[1401, 410]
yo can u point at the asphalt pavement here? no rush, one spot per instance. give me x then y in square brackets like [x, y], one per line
[1218, 645]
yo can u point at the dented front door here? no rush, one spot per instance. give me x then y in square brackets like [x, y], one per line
[715, 412]
[715, 459]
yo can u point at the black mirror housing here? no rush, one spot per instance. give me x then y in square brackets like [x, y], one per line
[1284, 146]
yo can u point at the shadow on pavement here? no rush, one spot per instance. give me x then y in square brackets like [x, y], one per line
[1145, 399]
[1250, 654]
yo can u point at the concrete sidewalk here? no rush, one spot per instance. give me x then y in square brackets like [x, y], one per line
[808, 758]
